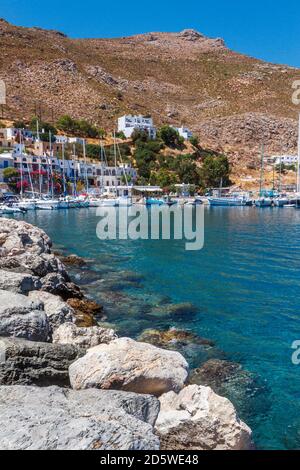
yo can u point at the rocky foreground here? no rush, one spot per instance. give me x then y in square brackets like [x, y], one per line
[66, 382]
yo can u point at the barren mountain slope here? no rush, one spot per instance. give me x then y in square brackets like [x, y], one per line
[232, 101]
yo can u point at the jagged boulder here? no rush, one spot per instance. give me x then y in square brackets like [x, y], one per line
[68, 333]
[17, 282]
[22, 317]
[198, 419]
[34, 363]
[125, 364]
[52, 418]
[57, 311]
[57, 284]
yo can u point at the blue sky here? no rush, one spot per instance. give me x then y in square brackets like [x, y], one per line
[266, 29]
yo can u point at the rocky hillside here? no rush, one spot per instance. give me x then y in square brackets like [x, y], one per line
[232, 101]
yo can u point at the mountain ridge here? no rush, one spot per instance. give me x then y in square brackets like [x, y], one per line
[232, 101]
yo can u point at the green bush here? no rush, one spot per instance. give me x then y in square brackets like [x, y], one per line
[170, 136]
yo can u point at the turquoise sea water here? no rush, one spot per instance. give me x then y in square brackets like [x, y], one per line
[244, 287]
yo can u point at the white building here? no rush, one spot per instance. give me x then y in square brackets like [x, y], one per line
[129, 123]
[98, 174]
[8, 136]
[61, 139]
[285, 159]
[6, 161]
[184, 132]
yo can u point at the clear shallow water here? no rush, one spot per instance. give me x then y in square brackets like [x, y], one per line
[245, 283]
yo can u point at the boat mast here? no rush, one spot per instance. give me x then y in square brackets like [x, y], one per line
[63, 159]
[261, 170]
[85, 166]
[20, 153]
[298, 162]
[74, 165]
[115, 155]
[51, 156]
[280, 174]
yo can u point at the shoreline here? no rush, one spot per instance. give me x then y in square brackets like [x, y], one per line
[96, 362]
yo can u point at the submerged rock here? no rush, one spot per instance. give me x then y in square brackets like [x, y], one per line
[68, 333]
[172, 338]
[22, 317]
[87, 311]
[35, 363]
[125, 364]
[247, 392]
[73, 260]
[181, 311]
[198, 419]
[51, 418]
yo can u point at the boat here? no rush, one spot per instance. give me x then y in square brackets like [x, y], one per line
[26, 204]
[234, 200]
[289, 206]
[124, 201]
[10, 209]
[263, 202]
[47, 204]
[152, 201]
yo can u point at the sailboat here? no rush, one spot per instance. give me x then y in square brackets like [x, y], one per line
[104, 199]
[263, 200]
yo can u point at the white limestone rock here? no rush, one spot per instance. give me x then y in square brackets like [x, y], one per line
[198, 419]
[68, 333]
[125, 364]
[53, 418]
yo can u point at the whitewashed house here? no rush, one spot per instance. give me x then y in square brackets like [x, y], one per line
[129, 123]
[285, 159]
[184, 132]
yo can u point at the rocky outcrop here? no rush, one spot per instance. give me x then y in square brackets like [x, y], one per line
[198, 419]
[58, 284]
[68, 333]
[125, 364]
[26, 249]
[34, 363]
[18, 283]
[52, 418]
[57, 311]
[22, 317]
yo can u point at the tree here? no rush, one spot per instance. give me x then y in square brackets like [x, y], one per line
[170, 136]
[11, 176]
[44, 126]
[120, 135]
[214, 170]
[139, 135]
[187, 171]
[66, 123]
[194, 140]
[19, 125]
